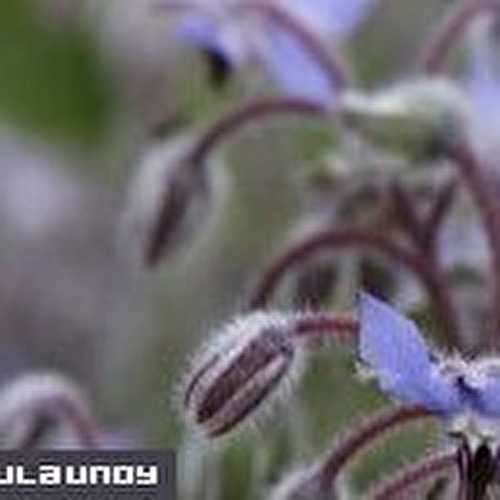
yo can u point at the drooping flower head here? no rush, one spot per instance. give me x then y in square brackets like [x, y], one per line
[465, 394]
[286, 38]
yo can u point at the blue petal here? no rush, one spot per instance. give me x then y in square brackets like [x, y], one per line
[336, 17]
[203, 32]
[292, 67]
[393, 348]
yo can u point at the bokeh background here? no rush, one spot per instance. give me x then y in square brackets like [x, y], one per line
[86, 87]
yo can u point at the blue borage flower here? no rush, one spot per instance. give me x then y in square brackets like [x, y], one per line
[393, 348]
[242, 32]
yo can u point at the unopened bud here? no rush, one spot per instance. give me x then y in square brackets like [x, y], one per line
[33, 404]
[170, 199]
[248, 364]
[418, 119]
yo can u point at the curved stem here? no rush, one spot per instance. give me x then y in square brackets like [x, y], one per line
[488, 206]
[41, 401]
[177, 195]
[59, 408]
[437, 215]
[405, 207]
[320, 326]
[395, 488]
[376, 426]
[331, 63]
[430, 276]
[434, 52]
[247, 113]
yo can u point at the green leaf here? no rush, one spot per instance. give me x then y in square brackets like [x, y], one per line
[51, 80]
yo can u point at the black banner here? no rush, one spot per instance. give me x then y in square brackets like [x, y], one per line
[87, 475]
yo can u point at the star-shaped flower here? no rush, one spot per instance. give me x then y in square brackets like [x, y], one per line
[392, 347]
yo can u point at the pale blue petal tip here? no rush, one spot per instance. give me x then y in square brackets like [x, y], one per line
[294, 71]
[392, 346]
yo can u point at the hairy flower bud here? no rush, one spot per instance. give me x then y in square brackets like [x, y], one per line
[418, 119]
[247, 364]
[33, 404]
[170, 199]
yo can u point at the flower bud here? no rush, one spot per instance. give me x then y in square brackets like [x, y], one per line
[247, 364]
[418, 119]
[33, 404]
[170, 199]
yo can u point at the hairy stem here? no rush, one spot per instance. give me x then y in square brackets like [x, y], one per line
[433, 55]
[319, 326]
[397, 488]
[430, 276]
[248, 113]
[375, 427]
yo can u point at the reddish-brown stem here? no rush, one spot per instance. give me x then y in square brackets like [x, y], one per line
[437, 214]
[407, 213]
[330, 62]
[340, 327]
[247, 113]
[384, 421]
[429, 275]
[433, 55]
[423, 231]
[397, 488]
[489, 210]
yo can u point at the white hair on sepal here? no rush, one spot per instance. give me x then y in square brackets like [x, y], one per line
[216, 395]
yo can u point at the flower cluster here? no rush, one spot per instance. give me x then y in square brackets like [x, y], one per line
[412, 171]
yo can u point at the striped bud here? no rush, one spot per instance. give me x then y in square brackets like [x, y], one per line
[247, 364]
